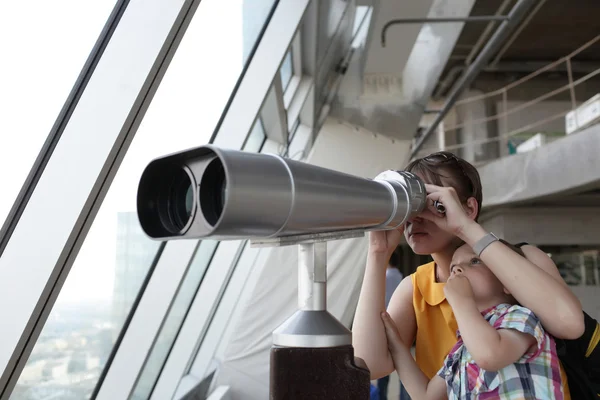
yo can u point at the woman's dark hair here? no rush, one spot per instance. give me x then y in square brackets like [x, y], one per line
[461, 174]
[395, 259]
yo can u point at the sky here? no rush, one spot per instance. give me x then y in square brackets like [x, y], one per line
[47, 44]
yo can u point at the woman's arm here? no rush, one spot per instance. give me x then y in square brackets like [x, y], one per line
[368, 333]
[534, 281]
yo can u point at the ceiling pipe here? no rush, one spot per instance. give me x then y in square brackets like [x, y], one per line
[453, 72]
[445, 83]
[477, 18]
[516, 15]
[516, 34]
[486, 33]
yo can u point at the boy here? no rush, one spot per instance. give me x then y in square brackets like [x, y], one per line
[502, 351]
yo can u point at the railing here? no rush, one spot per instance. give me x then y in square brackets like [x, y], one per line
[579, 268]
[503, 122]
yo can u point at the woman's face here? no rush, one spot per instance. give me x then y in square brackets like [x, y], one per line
[424, 237]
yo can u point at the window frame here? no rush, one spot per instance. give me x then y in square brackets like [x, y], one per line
[292, 86]
[285, 85]
[300, 116]
[240, 287]
[140, 45]
[232, 133]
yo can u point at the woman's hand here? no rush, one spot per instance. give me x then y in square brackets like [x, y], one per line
[385, 242]
[455, 219]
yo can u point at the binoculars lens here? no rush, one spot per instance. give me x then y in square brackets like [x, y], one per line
[212, 197]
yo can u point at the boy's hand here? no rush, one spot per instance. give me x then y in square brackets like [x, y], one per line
[458, 289]
[393, 336]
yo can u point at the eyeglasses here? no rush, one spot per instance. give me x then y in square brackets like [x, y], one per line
[445, 156]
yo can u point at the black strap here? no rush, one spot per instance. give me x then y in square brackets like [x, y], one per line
[583, 373]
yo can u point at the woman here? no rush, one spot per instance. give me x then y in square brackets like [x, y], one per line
[418, 306]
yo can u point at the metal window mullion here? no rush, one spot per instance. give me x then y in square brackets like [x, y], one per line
[290, 91]
[273, 114]
[297, 54]
[198, 318]
[333, 45]
[147, 320]
[259, 258]
[131, 353]
[34, 266]
[193, 329]
[56, 131]
[237, 123]
[300, 143]
[308, 38]
[324, 68]
[273, 147]
[262, 71]
[130, 315]
[239, 291]
[297, 73]
[207, 349]
[299, 101]
[192, 332]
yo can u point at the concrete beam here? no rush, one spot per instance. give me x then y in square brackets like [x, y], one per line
[550, 226]
[387, 88]
[390, 60]
[567, 165]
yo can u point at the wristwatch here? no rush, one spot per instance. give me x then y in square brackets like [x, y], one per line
[484, 242]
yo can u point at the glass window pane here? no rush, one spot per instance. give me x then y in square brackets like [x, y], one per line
[286, 71]
[43, 60]
[177, 313]
[361, 12]
[294, 129]
[256, 138]
[115, 258]
[254, 14]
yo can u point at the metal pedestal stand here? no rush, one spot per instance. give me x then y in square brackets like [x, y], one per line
[312, 355]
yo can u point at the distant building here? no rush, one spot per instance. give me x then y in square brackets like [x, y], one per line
[135, 253]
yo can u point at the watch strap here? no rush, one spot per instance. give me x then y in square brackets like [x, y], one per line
[484, 242]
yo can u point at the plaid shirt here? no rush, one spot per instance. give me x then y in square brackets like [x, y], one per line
[535, 376]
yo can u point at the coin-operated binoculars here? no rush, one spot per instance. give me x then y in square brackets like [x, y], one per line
[209, 192]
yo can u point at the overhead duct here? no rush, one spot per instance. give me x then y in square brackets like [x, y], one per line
[227, 194]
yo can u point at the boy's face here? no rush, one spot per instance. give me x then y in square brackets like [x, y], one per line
[484, 283]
